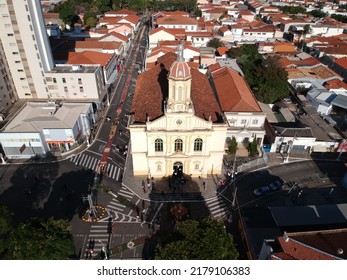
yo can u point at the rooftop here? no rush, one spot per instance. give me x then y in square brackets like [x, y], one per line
[233, 91]
[36, 116]
[152, 89]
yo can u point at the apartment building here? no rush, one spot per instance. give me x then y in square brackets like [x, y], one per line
[26, 46]
[8, 93]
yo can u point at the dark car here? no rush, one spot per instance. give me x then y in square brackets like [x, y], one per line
[275, 185]
[262, 191]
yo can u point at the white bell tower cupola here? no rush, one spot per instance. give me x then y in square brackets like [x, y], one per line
[180, 85]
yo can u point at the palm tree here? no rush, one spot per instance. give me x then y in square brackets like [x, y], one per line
[307, 29]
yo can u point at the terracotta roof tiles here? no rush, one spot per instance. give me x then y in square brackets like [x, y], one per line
[89, 57]
[301, 251]
[152, 89]
[176, 19]
[233, 91]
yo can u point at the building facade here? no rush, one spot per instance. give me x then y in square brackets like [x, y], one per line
[26, 46]
[184, 130]
[40, 128]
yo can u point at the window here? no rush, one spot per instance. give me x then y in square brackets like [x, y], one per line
[10, 34]
[255, 121]
[54, 80]
[243, 121]
[65, 89]
[158, 145]
[178, 145]
[158, 166]
[79, 81]
[196, 166]
[81, 89]
[198, 144]
[64, 80]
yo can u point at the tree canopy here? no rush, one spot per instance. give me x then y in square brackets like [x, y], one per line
[214, 43]
[203, 239]
[265, 77]
[36, 239]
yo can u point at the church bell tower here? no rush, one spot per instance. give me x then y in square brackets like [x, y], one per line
[180, 85]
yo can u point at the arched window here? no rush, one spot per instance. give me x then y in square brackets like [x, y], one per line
[198, 144]
[178, 145]
[158, 145]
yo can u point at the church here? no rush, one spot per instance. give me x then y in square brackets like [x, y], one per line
[176, 124]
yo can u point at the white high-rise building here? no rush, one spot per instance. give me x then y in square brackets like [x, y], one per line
[26, 46]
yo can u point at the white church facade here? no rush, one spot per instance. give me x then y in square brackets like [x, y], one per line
[176, 122]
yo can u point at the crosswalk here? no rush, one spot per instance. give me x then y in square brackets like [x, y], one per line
[99, 234]
[217, 207]
[120, 212]
[88, 161]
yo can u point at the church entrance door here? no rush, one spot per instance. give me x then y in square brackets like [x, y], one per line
[178, 168]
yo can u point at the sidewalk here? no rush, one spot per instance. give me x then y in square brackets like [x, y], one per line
[158, 189]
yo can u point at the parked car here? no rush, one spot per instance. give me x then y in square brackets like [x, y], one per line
[276, 185]
[262, 191]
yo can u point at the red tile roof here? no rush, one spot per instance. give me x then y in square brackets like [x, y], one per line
[233, 91]
[335, 84]
[342, 62]
[152, 88]
[301, 251]
[222, 50]
[90, 44]
[115, 34]
[176, 19]
[89, 57]
[132, 19]
[224, 28]
[310, 61]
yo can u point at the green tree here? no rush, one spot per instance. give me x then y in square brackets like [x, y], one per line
[292, 10]
[253, 147]
[91, 21]
[272, 82]
[67, 13]
[5, 227]
[39, 239]
[318, 13]
[266, 78]
[198, 13]
[214, 43]
[232, 146]
[203, 239]
[234, 52]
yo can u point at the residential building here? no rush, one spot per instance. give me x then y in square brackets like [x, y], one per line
[239, 105]
[77, 82]
[26, 47]
[178, 21]
[163, 34]
[311, 245]
[8, 95]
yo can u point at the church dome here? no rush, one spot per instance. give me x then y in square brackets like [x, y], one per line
[180, 70]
